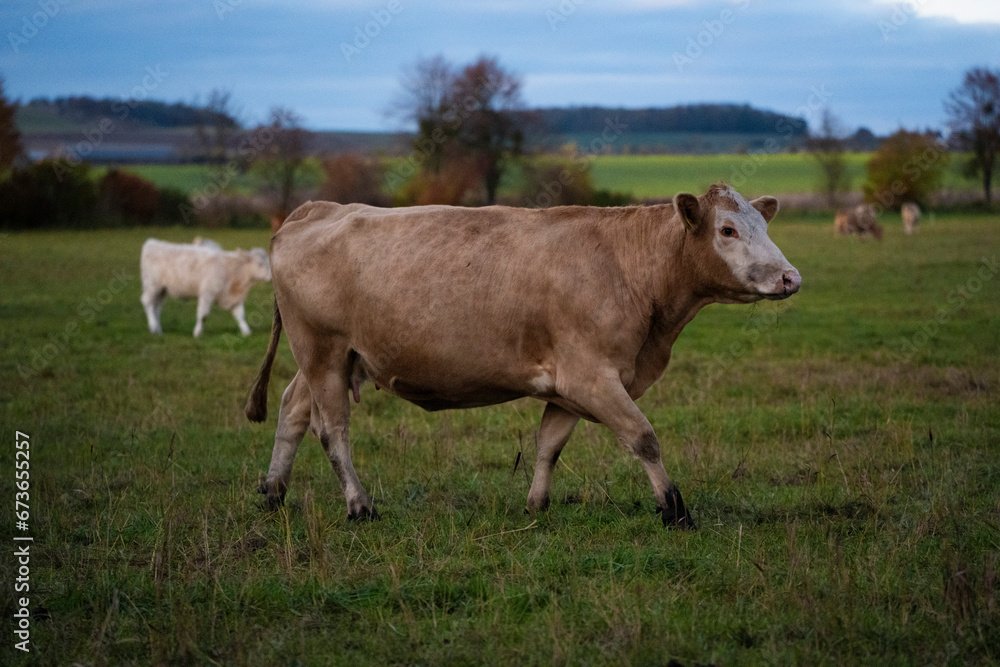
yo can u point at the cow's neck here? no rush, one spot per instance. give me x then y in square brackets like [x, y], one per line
[675, 302]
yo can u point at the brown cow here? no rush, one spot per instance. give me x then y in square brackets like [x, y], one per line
[453, 307]
[860, 220]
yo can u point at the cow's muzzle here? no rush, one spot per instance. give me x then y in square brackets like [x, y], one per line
[789, 284]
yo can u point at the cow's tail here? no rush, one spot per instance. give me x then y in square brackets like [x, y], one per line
[256, 409]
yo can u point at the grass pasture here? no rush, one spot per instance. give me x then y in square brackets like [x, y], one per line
[642, 176]
[840, 452]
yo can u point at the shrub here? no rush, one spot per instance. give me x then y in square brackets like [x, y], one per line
[562, 183]
[907, 166]
[351, 178]
[565, 182]
[47, 194]
[171, 202]
[610, 198]
[456, 184]
[225, 210]
[56, 194]
[128, 198]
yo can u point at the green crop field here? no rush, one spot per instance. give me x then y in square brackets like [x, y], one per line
[643, 176]
[752, 174]
[664, 175]
[839, 450]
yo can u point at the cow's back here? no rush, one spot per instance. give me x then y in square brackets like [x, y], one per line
[181, 269]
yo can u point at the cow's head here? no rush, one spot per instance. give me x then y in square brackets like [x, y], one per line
[735, 260]
[260, 263]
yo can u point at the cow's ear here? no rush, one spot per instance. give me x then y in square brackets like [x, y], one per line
[687, 207]
[766, 206]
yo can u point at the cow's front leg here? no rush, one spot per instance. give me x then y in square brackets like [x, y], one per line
[239, 312]
[331, 393]
[553, 433]
[204, 305]
[606, 399]
[293, 422]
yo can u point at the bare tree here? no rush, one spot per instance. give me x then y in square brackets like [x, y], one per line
[284, 145]
[465, 116]
[485, 96]
[424, 100]
[10, 137]
[974, 119]
[827, 147]
[218, 127]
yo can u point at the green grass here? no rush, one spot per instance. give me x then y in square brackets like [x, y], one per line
[779, 173]
[204, 180]
[194, 179]
[845, 483]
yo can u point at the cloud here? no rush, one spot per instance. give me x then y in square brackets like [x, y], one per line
[880, 66]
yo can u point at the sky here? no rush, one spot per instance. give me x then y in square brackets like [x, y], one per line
[872, 63]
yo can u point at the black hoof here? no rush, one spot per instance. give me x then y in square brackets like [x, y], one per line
[364, 514]
[274, 500]
[673, 512]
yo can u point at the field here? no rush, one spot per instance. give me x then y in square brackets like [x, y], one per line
[643, 176]
[779, 173]
[839, 451]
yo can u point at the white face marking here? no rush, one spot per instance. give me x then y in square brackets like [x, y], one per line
[741, 240]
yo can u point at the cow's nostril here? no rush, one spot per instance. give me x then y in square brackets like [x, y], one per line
[791, 281]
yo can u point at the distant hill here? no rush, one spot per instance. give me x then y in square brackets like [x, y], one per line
[696, 118]
[68, 113]
[688, 129]
[155, 131]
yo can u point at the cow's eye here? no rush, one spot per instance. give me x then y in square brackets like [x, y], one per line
[730, 232]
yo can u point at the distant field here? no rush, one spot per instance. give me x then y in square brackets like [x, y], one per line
[665, 175]
[839, 451]
[687, 143]
[643, 176]
[781, 173]
[192, 178]
[199, 179]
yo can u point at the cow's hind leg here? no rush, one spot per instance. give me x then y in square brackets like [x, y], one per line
[330, 390]
[293, 422]
[152, 302]
[554, 432]
[605, 398]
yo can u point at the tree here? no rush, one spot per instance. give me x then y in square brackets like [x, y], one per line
[425, 100]
[284, 147]
[906, 167]
[217, 128]
[10, 137]
[974, 120]
[827, 147]
[468, 116]
[352, 178]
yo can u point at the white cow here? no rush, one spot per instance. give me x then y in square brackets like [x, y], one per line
[911, 216]
[187, 271]
[206, 243]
